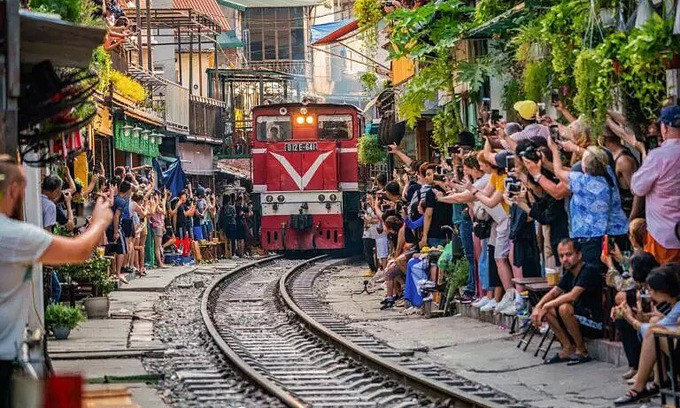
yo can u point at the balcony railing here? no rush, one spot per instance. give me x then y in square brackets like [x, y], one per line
[289, 67]
[207, 117]
[237, 143]
[177, 108]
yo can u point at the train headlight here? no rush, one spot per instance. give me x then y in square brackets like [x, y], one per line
[322, 198]
[303, 111]
[333, 197]
[269, 198]
[283, 110]
[310, 120]
[280, 198]
[300, 120]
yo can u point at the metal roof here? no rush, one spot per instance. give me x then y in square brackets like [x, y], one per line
[206, 7]
[242, 5]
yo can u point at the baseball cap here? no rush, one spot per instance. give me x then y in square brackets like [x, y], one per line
[501, 158]
[670, 116]
[526, 109]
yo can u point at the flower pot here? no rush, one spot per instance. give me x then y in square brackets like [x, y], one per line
[61, 332]
[97, 307]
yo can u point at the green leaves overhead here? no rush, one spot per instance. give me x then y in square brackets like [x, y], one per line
[420, 32]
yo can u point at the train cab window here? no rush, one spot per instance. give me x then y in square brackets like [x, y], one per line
[335, 127]
[273, 128]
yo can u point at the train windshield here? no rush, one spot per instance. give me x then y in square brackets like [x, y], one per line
[335, 127]
[274, 128]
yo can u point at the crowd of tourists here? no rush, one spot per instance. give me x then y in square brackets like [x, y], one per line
[141, 209]
[535, 196]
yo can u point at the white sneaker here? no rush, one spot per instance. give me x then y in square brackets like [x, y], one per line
[511, 310]
[481, 302]
[508, 299]
[489, 306]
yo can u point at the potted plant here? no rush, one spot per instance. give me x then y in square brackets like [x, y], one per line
[369, 150]
[62, 319]
[97, 305]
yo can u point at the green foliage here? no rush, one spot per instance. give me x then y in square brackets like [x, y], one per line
[564, 27]
[446, 126]
[594, 86]
[95, 271]
[75, 11]
[512, 93]
[487, 9]
[369, 150]
[429, 29]
[369, 81]
[536, 79]
[58, 315]
[528, 38]
[457, 277]
[101, 64]
[423, 87]
[473, 73]
[368, 14]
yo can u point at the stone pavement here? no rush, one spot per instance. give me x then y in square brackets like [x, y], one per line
[477, 350]
[110, 350]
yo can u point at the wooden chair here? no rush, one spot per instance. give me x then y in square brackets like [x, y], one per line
[670, 363]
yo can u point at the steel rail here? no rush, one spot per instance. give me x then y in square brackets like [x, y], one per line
[249, 372]
[404, 375]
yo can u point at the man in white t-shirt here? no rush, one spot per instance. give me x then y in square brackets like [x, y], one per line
[21, 246]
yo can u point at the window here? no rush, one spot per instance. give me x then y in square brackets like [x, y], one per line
[275, 33]
[335, 127]
[273, 128]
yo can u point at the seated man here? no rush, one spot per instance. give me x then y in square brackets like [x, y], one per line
[573, 308]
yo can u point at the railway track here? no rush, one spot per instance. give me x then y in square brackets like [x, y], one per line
[266, 320]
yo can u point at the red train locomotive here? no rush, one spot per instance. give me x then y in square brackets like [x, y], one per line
[305, 175]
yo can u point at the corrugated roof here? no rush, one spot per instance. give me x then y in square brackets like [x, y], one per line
[242, 5]
[207, 7]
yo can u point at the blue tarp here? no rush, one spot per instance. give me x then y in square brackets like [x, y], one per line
[173, 178]
[416, 270]
[320, 31]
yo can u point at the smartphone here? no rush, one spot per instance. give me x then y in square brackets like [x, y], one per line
[605, 244]
[449, 161]
[646, 301]
[554, 96]
[460, 173]
[486, 102]
[509, 163]
[439, 170]
[555, 133]
[541, 108]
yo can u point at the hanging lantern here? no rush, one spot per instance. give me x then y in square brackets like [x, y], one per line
[126, 130]
[136, 131]
[145, 134]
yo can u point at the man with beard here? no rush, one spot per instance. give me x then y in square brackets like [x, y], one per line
[21, 246]
[573, 308]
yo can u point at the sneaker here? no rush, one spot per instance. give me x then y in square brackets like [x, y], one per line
[508, 311]
[481, 302]
[400, 303]
[388, 305]
[489, 306]
[508, 299]
[387, 299]
[466, 299]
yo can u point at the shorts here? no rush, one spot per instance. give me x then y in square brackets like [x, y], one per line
[382, 247]
[115, 247]
[590, 327]
[198, 233]
[500, 239]
[127, 228]
[157, 231]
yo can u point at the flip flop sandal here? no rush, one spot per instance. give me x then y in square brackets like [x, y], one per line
[578, 359]
[556, 359]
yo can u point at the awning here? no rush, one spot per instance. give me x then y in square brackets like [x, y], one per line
[510, 19]
[328, 33]
[228, 39]
[242, 5]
